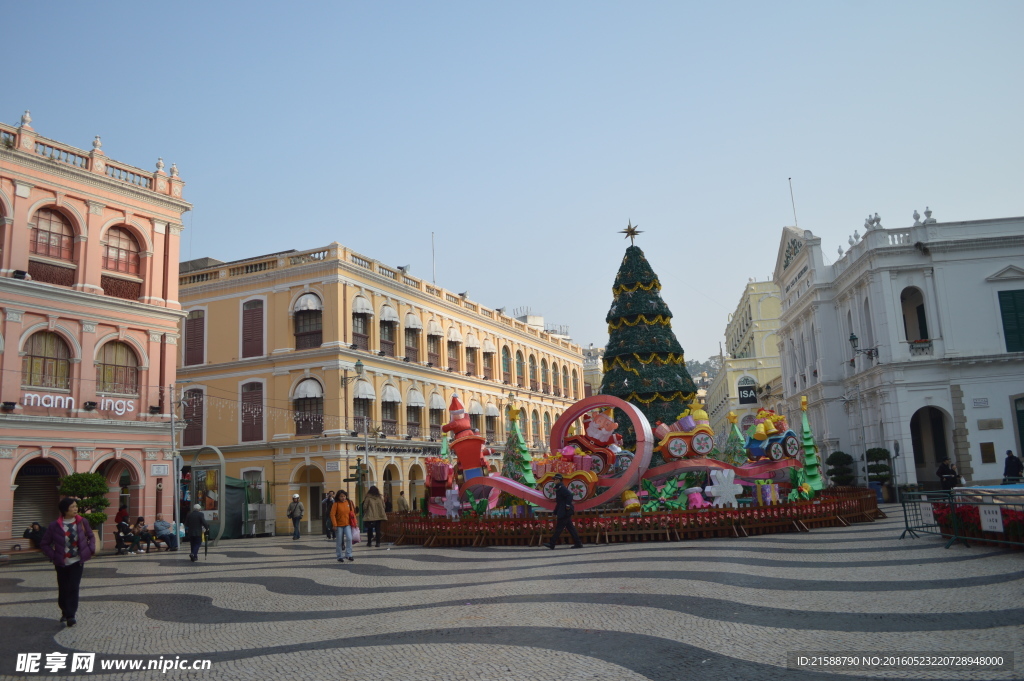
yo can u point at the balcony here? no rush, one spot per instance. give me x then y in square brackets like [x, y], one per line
[361, 341]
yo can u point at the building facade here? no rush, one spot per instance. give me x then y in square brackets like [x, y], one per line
[90, 317]
[271, 360]
[936, 311]
[593, 370]
[752, 358]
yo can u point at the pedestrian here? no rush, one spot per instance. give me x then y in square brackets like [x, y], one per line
[129, 539]
[325, 514]
[122, 514]
[343, 518]
[34, 534]
[563, 512]
[165, 533]
[68, 542]
[947, 474]
[1012, 469]
[403, 505]
[295, 511]
[373, 514]
[388, 508]
[195, 527]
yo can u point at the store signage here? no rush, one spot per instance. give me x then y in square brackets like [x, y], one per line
[119, 407]
[48, 400]
[159, 469]
[748, 395]
[333, 466]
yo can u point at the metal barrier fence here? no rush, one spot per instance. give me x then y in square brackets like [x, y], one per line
[982, 515]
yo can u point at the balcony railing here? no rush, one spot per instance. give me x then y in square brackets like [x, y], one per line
[920, 347]
[361, 341]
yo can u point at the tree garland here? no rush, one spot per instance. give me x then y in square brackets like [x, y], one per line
[678, 395]
[664, 321]
[671, 358]
[655, 285]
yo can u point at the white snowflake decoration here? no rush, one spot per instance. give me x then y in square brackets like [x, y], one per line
[452, 504]
[724, 490]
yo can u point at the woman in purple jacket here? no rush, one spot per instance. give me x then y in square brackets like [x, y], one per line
[68, 542]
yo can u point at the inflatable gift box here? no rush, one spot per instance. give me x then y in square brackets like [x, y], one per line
[584, 463]
[660, 431]
[563, 467]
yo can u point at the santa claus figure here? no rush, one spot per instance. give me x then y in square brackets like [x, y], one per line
[468, 444]
[601, 429]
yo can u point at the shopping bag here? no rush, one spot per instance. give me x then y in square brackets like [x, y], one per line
[355, 535]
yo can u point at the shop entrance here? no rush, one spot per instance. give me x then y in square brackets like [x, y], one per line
[35, 498]
[929, 439]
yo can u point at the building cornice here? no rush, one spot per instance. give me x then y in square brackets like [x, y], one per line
[65, 297]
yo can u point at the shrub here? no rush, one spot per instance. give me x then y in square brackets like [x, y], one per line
[840, 472]
[91, 491]
[878, 465]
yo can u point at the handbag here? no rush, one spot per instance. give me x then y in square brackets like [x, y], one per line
[355, 535]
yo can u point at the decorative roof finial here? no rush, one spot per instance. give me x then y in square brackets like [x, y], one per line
[851, 241]
[97, 143]
[877, 221]
[631, 232]
[867, 223]
[160, 165]
[840, 250]
[917, 218]
[928, 219]
[174, 170]
[856, 235]
[26, 119]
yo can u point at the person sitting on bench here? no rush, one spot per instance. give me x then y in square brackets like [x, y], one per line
[163, 532]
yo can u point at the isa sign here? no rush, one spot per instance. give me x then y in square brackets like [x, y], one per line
[748, 395]
[991, 518]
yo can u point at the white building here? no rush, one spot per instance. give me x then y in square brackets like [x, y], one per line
[938, 312]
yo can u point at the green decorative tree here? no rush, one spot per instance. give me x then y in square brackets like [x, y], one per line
[840, 472]
[733, 451]
[878, 466]
[517, 462]
[812, 463]
[643, 361]
[91, 491]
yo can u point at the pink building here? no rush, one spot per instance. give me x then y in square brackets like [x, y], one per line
[89, 322]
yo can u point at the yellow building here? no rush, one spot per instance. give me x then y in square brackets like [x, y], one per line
[752, 361]
[295, 364]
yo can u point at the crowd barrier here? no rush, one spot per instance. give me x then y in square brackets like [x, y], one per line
[992, 516]
[835, 507]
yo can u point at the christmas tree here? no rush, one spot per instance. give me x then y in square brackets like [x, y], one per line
[643, 361]
[517, 463]
[812, 463]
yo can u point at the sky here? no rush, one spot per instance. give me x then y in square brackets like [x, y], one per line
[523, 136]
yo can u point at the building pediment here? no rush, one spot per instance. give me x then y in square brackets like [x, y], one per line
[1008, 273]
[792, 246]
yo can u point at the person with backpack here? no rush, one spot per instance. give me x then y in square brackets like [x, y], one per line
[564, 509]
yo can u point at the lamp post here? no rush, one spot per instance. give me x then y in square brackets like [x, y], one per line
[360, 368]
[872, 353]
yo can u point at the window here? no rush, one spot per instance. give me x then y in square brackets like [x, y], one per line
[52, 236]
[575, 385]
[506, 365]
[47, 362]
[471, 361]
[121, 254]
[534, 385]
[308, 322]
[308, 408]
[361, 331]
[1011, 308]
[545, 377]
[252, 328]
[436, 420]
[195, 337]
[388, 332]
[491, 424]
[362, 411]
[453, 355]
[434, 350]
[117, 369]
[488, 365]
[535, 427]
[412, 344]
[520, 369]
[547, 426]
[389, 417]
[193, 404]
[915, 322]
[554, 379]
[252, 412]
[412, 420]
[565, 381]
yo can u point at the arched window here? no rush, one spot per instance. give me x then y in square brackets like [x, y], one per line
[121, 254]
[362, 311]
[388, 330]
[52, 236]
[547, 426]
[506, 365]
[575, 385]
[865, 324]
[545, 378]
[533, 374]
[565, 381]
[308, 321]
[554, 379]
[413, 327]
[117, 369]
[535, 427]
[520, 369]
[46, 362]
[308, 407]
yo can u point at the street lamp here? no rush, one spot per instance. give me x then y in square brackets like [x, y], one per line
[872, 353]
[345, 380]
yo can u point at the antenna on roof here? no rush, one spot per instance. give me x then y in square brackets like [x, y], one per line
[793, 201]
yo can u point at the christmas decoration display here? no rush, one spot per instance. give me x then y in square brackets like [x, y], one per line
[666, 498]
[812, 463]
[694, 499]
[724, 489]
[690, 436]
[734, 450]
[630, 501]
[602, 443]
[771, 438]
[467, 443]
[516, 462]
[452, 505]
[643, 361]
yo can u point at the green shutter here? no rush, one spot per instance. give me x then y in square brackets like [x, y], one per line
[1011, 305]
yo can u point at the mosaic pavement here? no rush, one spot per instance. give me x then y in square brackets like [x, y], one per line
[711, 609]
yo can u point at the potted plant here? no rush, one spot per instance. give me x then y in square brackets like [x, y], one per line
[840, 471]
[879, 471]
[90, 489]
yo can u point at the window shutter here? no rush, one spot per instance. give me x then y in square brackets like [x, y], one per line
[195, 329]
[1011, 306]
[252, 412]
[252, 329]
[193, 435]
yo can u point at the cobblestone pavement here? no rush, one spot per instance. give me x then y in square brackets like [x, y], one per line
[712, 608]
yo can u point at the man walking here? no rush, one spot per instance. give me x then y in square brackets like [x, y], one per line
[563, 512]
[325, 515]
[195, 526]
[295, 511]
[1012, 469]
[403, 505]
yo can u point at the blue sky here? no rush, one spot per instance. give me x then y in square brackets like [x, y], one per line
[525, 135]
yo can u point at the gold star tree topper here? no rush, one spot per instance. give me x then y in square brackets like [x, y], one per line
[631, 232]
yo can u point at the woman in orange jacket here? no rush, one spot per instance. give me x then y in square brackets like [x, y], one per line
[343, 517]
